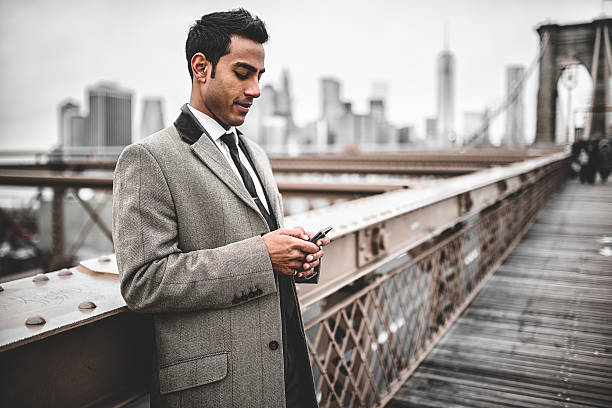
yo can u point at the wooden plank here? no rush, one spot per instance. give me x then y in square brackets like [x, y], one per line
[540, 331]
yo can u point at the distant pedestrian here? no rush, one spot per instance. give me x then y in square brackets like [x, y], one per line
[585, 154]
[604, 149]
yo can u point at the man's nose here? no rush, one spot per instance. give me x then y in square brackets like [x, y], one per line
[252, 89]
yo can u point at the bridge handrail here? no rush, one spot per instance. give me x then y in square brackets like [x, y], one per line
[381, 207]
[403, 219]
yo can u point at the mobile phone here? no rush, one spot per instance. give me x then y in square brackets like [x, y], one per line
[320, 234]
[314, 278]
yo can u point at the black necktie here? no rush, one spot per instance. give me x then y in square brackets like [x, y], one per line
[230, 141]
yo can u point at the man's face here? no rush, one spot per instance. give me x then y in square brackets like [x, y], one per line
[228, 96]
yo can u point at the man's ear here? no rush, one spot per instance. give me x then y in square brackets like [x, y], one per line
[200, 67]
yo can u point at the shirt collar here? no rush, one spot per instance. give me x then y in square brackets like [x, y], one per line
[214, 129]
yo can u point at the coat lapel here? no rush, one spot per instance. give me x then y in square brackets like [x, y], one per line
[269, 184]
[207, 151]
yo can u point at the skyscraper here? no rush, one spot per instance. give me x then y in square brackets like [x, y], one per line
[331, 103]
[71, 124]
[266, 109]
[515, 132]
[332, 110]
[377, 109]
[431, 128]
[284, 109]
[152, 116]
[110, 115]
[405, 135]
[284, 103]
[446, 97]
[78, 130]
[262, 107]
[381, 128]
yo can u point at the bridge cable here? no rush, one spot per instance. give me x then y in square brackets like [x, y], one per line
[517, 90]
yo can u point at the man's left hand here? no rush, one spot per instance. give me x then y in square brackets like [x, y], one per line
[312, 260]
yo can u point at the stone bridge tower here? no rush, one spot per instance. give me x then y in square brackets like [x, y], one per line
[587, 44]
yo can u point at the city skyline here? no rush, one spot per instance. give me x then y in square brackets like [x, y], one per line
[398, 47]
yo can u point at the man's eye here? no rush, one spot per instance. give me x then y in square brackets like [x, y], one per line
[241, 76]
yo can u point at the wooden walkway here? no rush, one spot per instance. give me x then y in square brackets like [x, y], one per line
[539, 334]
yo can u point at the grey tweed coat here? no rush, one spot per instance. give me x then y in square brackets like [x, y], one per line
[187, 237]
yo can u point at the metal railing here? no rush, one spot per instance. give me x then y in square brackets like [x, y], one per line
[365, 346]
[401, 267]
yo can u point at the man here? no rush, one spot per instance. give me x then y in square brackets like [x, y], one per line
[196, 213]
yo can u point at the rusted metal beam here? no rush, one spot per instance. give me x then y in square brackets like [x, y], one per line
[82, 234]
[324, 189]
[29, 175]
[93, 214]
[57, 227]
[62, 166]
[104, 181]
[454, 161]
[483, 156]
[314, 166]
[49, 178]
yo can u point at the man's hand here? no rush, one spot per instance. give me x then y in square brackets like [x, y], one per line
[289, 248]
[312, 260]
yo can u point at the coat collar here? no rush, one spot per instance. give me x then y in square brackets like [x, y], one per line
[188, 126]
[193, 133]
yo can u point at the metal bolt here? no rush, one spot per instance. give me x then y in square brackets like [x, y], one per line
[35, 321]
[40, 278]
[64, 272]
[382, 241]
[87, 305]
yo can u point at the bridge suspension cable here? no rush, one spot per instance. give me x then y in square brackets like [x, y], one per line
[477, 137]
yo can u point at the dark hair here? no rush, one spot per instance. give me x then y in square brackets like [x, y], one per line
[211, 35]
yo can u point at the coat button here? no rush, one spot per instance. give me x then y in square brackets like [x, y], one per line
[251, 294]
[258, 292]
[236, 300]
[273, 345]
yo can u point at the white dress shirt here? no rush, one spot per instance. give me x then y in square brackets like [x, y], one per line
[215, 130]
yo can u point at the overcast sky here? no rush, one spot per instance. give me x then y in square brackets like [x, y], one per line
[53, 50]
